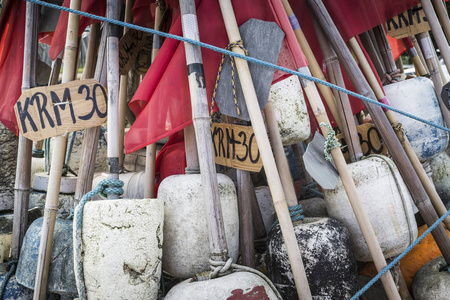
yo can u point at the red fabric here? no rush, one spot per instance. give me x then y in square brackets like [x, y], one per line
[96, 7]
[171, 159]
[162, 103]
[143, 12]
[397, 46]
[164, 91]
[12, 29]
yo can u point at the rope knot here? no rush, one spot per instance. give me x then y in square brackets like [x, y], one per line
[239, 44]
[393, 76]
[331, 142]
[400, 131]
[220, 268]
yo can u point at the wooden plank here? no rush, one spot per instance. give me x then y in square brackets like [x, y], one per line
[144, 57]
[129, 46]
[57, 110]
[235, 146]
[411, 22]
[369, 139]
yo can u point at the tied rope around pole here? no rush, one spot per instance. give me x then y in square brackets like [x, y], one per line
[12, 269]
[104, 188]
[296, 213]
[233, 54]
[240, 44]
[309, 191]
[331, 142]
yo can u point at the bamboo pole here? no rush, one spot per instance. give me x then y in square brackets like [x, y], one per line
[123, 90]
[60, 142]
[91, 52]
[441, 12]
[23, 169]
[314, 67]
[150, 150]
[343, 103]
[406, 169]
[373, 53]
[270, 168]
[441, 71]
[200, 116]
[438, 34]
[427, 49]
[419, 52]
[91, 135]
[112, 57]
[385, 51]
[424, 179]
[412, 51]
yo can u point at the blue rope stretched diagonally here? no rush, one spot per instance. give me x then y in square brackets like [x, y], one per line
[230, 53]
[104, 188]
[397, 259]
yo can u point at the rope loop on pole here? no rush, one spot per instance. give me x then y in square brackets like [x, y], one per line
[331, 142]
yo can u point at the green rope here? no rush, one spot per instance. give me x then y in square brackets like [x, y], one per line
[296, 213]
[309, 191]
[104, 188]
[12, 269]
[331, 142]
[38, 153]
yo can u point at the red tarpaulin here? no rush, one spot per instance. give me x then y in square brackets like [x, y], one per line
[162, 102]
[12, 28]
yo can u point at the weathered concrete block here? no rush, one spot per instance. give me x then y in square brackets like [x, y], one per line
[122, 242]
[8, 162]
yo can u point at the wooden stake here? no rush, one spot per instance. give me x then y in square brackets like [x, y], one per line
[23, 170]
[438, 34]
[60, 142]
[441, 12]
[150, 153]
[412, 51]
[419, 52]
[314, 67]
[273, 178]
[200, 116]
[123, 91]
[406, 169]
[91, 53]
[385, 50]
[343, 103]
[91, 135]
[373, 53]
[246, 244]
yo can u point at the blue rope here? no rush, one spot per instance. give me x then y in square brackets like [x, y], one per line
[12, 265]
[296, 213]
[38, 153]
[397, 259]
[230, 53]
[309, 191]
[104, 188]
[69, 150]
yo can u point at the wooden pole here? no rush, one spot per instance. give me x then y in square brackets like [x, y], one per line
[112, 58]
[441, 12]
[60, 142]
[246, 243]
[91, 135]
[373, 53]
[419, 52]
[404, 165]
[412, 51]
[270, 168]
[385, 51]
[23, 169]
[200, 116]
[123, 103]
[316, 70]
[343, 103]
[150, 152]
[427, 49]
[91, 52]
[438, 34]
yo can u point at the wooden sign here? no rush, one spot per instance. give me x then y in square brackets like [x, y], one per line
[235, 146]
[369, 138]
[129, 47]
[49, 111]
[411, 22]
[144, 57]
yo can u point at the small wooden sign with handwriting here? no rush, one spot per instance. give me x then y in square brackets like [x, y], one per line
[411, 22]
[49, 111]
[235, 146]
[369, 138]
[129, 46]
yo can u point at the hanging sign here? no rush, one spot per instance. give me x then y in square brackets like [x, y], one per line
[369, 138]
[235, 146]
[411, 22]
[129, 46]
[49, 111]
